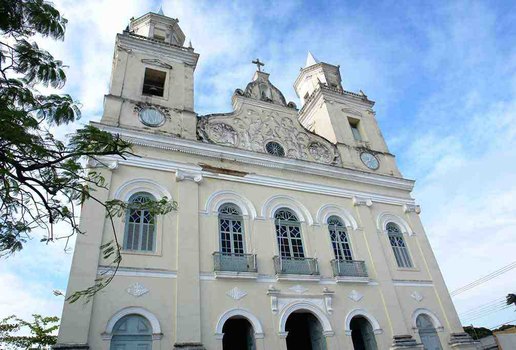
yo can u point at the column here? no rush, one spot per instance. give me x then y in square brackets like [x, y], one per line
[188, 294]
[399, 330]
[75, 320]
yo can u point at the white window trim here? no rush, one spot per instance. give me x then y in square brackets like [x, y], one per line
[133, 310]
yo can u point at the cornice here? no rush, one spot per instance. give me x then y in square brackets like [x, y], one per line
[247, 157]
[150, 46]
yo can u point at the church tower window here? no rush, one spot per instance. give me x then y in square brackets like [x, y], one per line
[140, 228]
[154, 82]
[398, 245]
[288, 230]
[231, 230]
[355, 129]
[339, 239]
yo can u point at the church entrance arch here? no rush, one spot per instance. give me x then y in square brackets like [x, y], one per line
[362, 334]
[238, 334]
[427, 333]
[305, 332]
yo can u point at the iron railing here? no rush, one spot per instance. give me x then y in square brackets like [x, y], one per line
[349, 268]
[296, 266]
[234, 262]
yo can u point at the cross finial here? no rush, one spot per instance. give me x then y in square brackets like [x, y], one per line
[258, 64]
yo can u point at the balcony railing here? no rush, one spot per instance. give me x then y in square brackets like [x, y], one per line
[349, 268]
[296, 266]
[234, 262]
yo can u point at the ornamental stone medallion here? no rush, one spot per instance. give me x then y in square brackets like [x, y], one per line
[416, 296]
[236, 293]
[355, 296]
[137, 290]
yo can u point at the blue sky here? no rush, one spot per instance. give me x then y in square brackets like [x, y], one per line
[442, 74]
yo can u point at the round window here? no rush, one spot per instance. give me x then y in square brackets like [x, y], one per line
[151, 117]
[275, 149]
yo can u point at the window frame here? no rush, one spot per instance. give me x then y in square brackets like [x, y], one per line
[399, 246]
[139, 227]
[165, 83]
[339, 245]
[232, 218]
[289, 226]
[354, 125]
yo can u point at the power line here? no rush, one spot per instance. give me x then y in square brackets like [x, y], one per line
[502, 324]
[488, 312]
[484, 279]
[486, 305]
[482, 311]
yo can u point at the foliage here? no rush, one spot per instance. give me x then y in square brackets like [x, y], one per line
[41, 332]
[511, 299]
[478, 332]
[42, 178]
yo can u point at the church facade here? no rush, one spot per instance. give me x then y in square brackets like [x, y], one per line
[294, 229]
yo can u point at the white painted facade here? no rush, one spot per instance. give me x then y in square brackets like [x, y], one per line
[179, 295]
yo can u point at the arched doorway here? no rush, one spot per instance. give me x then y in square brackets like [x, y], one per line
[305, 332]
[362, 334]
[132, 332]
[238, 334]
[427, 333]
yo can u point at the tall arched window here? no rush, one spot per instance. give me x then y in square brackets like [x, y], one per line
[231, 230]
[428, 333]
[140, 227]
[288, 231]
[132, 332]
[398, 245]
[339, 239]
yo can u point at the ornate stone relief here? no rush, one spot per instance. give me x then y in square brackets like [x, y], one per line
[252, 129]
[137, 290]
[279, 300]
[355, 296]
[138, 106]
[416, 296]
[236, 293]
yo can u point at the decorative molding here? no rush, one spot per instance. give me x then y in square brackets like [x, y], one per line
[190, 176]
[333, 209]
[253, 320]
[413, 283]
[236, 293]
[416, 296]
[355, 296]
[137, 272]
[328, 298]
[137, 290]
[362, 312]
[96, 163]
[221, 152]
[423, 311]
[128, 188]
[385, 217]
[299, 289]
[411, 208]
[361, 201]
[153, 320]
[306, 305]
[218, 198]
[273, 293]
[282, 201]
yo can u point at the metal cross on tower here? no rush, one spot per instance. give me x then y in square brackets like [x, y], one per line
[258, 64]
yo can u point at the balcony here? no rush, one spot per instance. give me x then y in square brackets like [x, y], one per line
[349, 269]
[234, 265]
[296, 266]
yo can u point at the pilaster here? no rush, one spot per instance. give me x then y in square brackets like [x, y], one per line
[75, 320]
[188, 297]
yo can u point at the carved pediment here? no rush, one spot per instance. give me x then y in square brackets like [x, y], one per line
[251, 128]
[156, 62]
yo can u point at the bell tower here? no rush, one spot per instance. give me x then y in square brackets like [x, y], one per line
[342, 117]
[152, 79]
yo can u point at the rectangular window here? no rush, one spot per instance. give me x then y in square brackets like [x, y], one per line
[154, 82]
[353, 123]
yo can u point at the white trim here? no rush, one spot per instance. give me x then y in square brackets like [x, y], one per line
[223, 152]
[308, 306]
[362, 312]
[274, 203]
[126, 190]
[385, 217]
[255, 322]
[412, 283]
[422, 311]
[270, 181]
[136, 272]
[332, 209]
[218, 198]
[153, 320]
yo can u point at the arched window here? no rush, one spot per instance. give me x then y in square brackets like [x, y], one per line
[231, 230]
[339, 239]
[427, 333]
[132, 332]
[140, 227]
[398, 245]
[288, 231]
